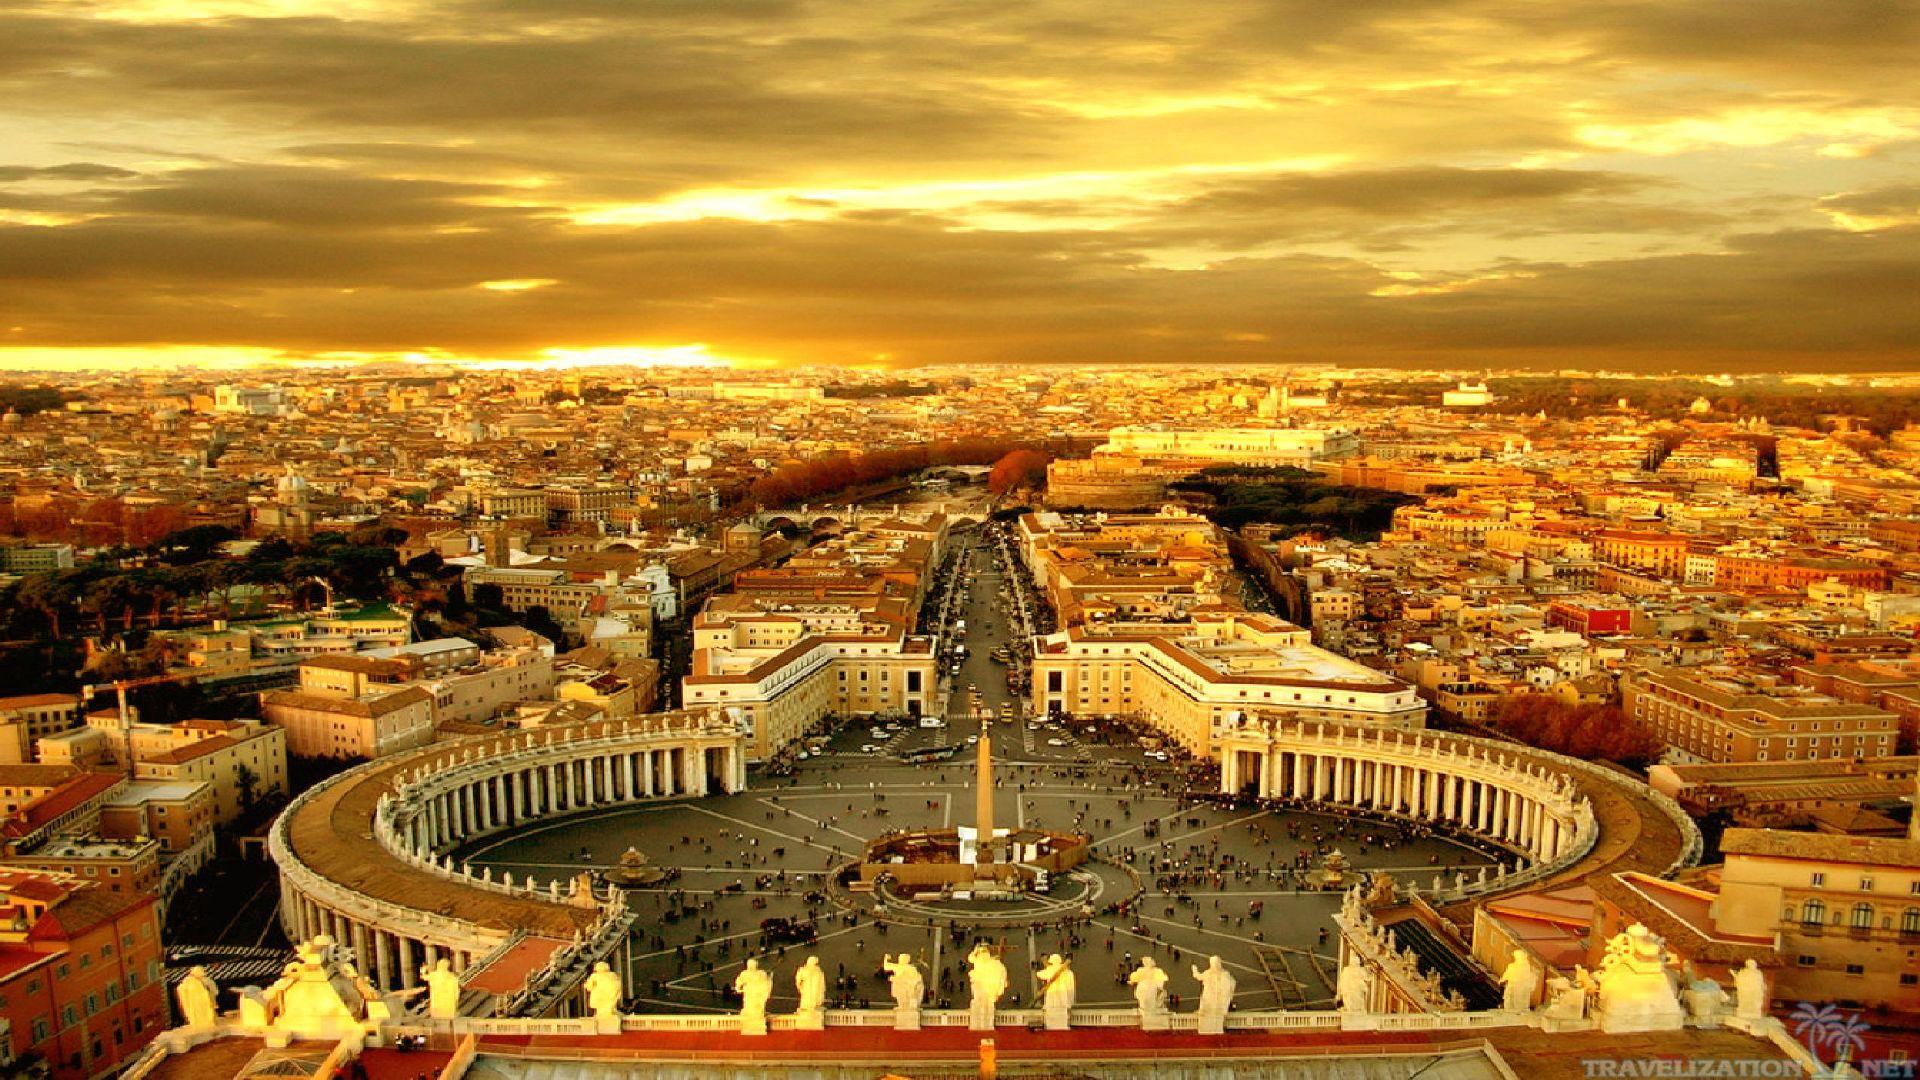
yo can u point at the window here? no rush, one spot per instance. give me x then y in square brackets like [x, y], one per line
[1862, 917]
[1819, 880]
[1813, 913]
[1806, 961]
[1856, 969]
[1910, 921]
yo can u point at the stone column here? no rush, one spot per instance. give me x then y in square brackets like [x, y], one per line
[382, 960]
[646, 773]
[409, 971]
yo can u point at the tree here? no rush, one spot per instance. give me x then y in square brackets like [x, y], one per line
[195, 544]
[1018, 469]
[246, 781]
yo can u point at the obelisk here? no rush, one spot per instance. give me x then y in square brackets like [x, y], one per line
[983, 801]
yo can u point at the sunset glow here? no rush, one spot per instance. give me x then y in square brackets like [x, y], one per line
[1476, 181]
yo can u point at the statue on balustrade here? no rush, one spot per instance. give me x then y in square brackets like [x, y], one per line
[443, 990]
[1636, 990]
[1057, 989]
[1216, 996]
[987, 978]
[1521, 980]
[1149, 982]
[1750, 992]
[1355, 987]
[811, 983]
[198, 996]
[909, 990]
[603, 997]
[754, 986]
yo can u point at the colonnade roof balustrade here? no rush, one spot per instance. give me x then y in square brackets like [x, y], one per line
[329, 830]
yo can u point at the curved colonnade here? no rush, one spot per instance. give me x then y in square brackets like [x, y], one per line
[1551, 812]
[363, 856]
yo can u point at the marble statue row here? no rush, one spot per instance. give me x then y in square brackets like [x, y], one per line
[987, 980]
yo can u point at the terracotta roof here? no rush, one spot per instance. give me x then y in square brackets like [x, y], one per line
[35, 775]
[368, 707]
[33, 701]
[1818, 847]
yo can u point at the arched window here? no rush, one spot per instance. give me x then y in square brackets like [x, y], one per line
[1910, 921]
[1862, 917]
[1813, 913]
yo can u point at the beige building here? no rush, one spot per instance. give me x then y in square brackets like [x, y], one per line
[1727, 714]
[21, 785]
[778, 693]
[1239, 446]
[27, 718]
[1194, 679]
[229, 756]
[1845, 910]
[336, 726]
[178, 815]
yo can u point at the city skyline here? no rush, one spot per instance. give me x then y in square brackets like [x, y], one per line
[1642, 187]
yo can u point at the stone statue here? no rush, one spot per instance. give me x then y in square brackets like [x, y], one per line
[754, 987]
[1520, 980]
[1566, 999]
[1149, 982]
[1356, 987]
[603, 997]
[443, 990]
[811, 982]
[909, 990]
[1750, 992]
[987, 977]
[198, 996]
[1706, 1002]
[1636, 993]
[1216, 996]
[1057, 988]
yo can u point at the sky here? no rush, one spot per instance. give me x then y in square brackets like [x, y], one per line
[1640, 184]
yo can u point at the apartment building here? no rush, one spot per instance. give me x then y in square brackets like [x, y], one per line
[335, 725]
[25, 719]
[81, 972]
[1736, 714]
[1845, 911]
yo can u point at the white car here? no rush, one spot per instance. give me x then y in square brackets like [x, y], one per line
[868, 748]
[971, 739]
[1056, 742]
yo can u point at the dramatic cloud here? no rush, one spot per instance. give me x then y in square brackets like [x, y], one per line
[1652, 183]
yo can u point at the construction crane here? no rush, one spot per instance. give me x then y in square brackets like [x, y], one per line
[120, 688]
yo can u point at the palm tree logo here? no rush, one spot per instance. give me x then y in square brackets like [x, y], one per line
[1826, 1027]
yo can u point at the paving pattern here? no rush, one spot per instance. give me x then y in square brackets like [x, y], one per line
[766, 854]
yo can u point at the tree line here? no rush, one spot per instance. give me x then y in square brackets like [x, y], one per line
[832, 474]
[1588, 732]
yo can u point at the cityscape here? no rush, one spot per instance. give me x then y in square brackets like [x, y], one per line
[766, 540]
